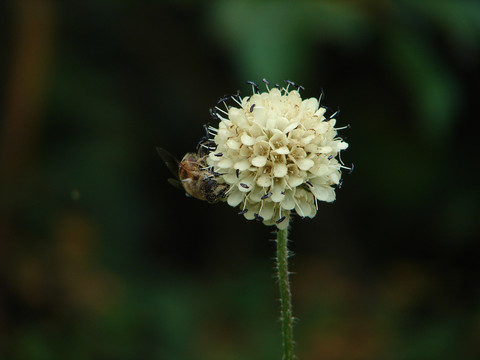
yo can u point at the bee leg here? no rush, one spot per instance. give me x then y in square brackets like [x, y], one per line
[215, 174]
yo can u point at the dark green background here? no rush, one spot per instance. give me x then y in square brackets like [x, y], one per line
[101, 259]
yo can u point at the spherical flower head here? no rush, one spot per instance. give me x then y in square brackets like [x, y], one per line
[278, 153]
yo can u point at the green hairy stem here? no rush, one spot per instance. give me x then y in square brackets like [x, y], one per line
[285, 294]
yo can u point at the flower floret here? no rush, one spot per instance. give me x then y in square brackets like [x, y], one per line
[278, 154]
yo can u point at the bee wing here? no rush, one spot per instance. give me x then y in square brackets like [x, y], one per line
[170, 161]
[177, 183]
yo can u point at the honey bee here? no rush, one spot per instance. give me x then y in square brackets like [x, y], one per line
[194, 176]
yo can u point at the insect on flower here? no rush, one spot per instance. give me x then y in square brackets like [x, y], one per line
[194, 176]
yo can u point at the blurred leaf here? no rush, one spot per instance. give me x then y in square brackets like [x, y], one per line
[434, 340]
[433, 89]
[275, 39]
[460, 19]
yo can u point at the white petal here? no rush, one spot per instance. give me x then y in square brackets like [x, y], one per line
[256, 194]
[252, 209]
[277, 137]
[331, 196]
[284, 224]
[313, 210]
[294, 181]
[247, 140]
[245, 151]
[260, 114]
[335, 177]
[233, 144]
[323, 193]
[277, 196]
[320, 170]
[311, 148]
[237, 116]
[245, 184]
[278, 190]
[264, 180]
[324, 149]
[288, 203]
[294, 98]
[342, 146]
[261, 148]
[249, 215]
[274, 93]
[323, 127]
[307, 139]
[256, 130]
[310, 104]
[280, 170]
[259, 161]
[235, 198]
[305, 164]
[271, 123]
[320, 112]
[290, 127]
[283, 150]
[302, 208]
[267, 210]
[242, 165]
[282, 123]
[230, 177]
[222, 134]
[213, 157]
[225, 163]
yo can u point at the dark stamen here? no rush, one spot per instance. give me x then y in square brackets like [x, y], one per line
[258, 217]
[255, 86]
[252, 107]
[245, 186]
[223, 99]
[327, 109]
[213, 113]
[330, 157]
[322, 95]
[207, 131]
[266, 196]
[335, 113]
[280, 220]
[243, 212]
[218, 154]
[237, 95]
[309, 183]
[237, 172]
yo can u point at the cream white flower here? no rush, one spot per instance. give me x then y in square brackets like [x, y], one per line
[278, 153]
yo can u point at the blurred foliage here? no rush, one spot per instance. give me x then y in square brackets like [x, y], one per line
[101, 259]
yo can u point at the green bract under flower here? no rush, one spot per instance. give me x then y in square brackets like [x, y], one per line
[278, 154]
